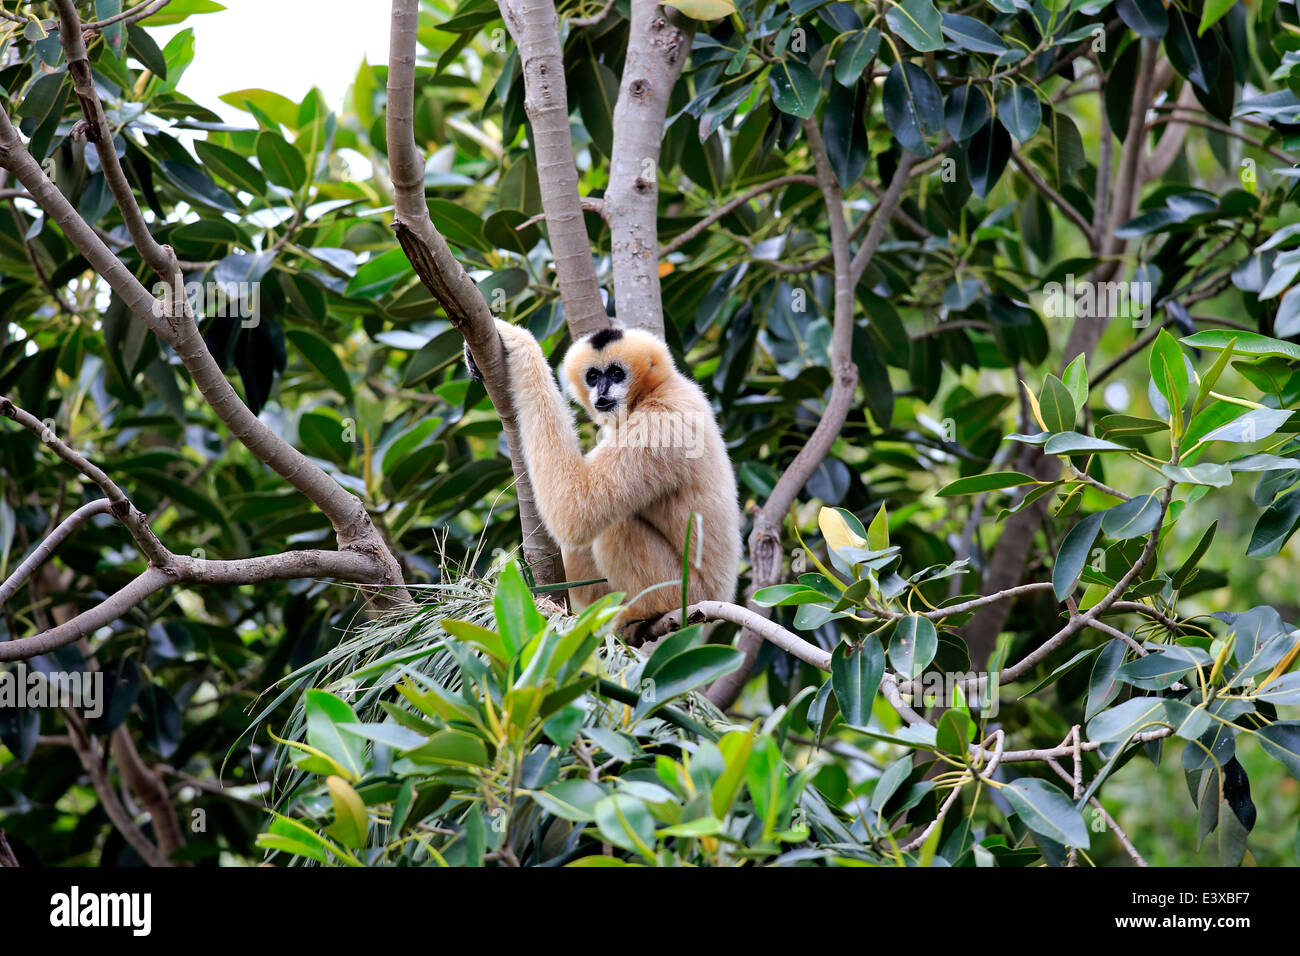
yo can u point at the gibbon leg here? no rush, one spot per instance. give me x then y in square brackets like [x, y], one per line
[636, 556]
[580, 565]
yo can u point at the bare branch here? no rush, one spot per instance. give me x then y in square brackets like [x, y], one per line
[152, 791]
[765, 550]
[733, 204]
[888, 206]
[1057, 199]
[172, 321]
[752, 621]
[47, 547]
[120, 505]
[97, 131]
[656, 52]
[93, 763]
[1130, 161]
[132, 15]
[448, 282]
[1178, 115]
[591, 21]
[7, 858]
[535, 27]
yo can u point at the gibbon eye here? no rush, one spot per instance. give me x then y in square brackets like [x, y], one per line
[615, 374]
[592, 377]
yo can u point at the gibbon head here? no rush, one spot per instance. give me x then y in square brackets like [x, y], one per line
[611, 371]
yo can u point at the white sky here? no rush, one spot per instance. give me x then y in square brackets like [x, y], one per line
[286, 46]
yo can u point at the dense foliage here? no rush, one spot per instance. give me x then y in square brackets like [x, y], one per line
[1137, 149]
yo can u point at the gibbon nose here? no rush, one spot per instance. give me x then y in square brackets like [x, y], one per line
[604, 404]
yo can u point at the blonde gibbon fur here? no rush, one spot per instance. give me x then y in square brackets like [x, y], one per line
[621, 511]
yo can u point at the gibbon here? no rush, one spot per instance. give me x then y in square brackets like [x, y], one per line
[621, 511]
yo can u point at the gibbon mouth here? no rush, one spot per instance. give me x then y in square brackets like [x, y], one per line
[605, 404]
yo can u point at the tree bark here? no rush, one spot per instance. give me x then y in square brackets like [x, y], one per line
[656, 52]
[448, 282]
[535, 27]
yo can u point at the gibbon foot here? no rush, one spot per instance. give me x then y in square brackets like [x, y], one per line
[637, 633]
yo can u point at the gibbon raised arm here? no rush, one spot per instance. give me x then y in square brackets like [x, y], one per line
[622, 510]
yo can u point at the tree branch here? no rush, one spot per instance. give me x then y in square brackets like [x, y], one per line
[172, 320]
[656, 52]
[93, 763]
[535, 27]
[765, 549]
[448, 282]
[47, 547]
[1057, 199]
[733, 204]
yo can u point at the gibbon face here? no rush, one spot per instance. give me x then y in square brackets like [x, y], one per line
[611, 371]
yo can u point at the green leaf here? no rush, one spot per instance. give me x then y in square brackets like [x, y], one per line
[1072, 443]
[918, 23]
[458, 224]
[1213, 475]
[736, 747]
[143, 47]
[281, 163]
[1076, 546]
[690, 669]
[1275, 526]
[233, 168]
[1146, 18]
[319, 353]
[913, 106]
[878, 530]
[517, 616]
[954, 732]
[502, 230]
[967, 33]
[454, 747]
[1210, 378]
[993, 481]
[626, 822]
[1020, 112]
[913, 645]
[1124, 720]
[1129, 425]
[1132, 518]
[795, 88]
[1281, 740]
[987, 155]
[1256, 424]
[1057, 405]
[1075, 379]
[857, 50]
[705, 10]
[351, 824]
[571, 799]
[1047, 811]
[856, 670]
[178, 10]
[325, 713]
[785, 595]
[965, 113]
[1243, 343]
